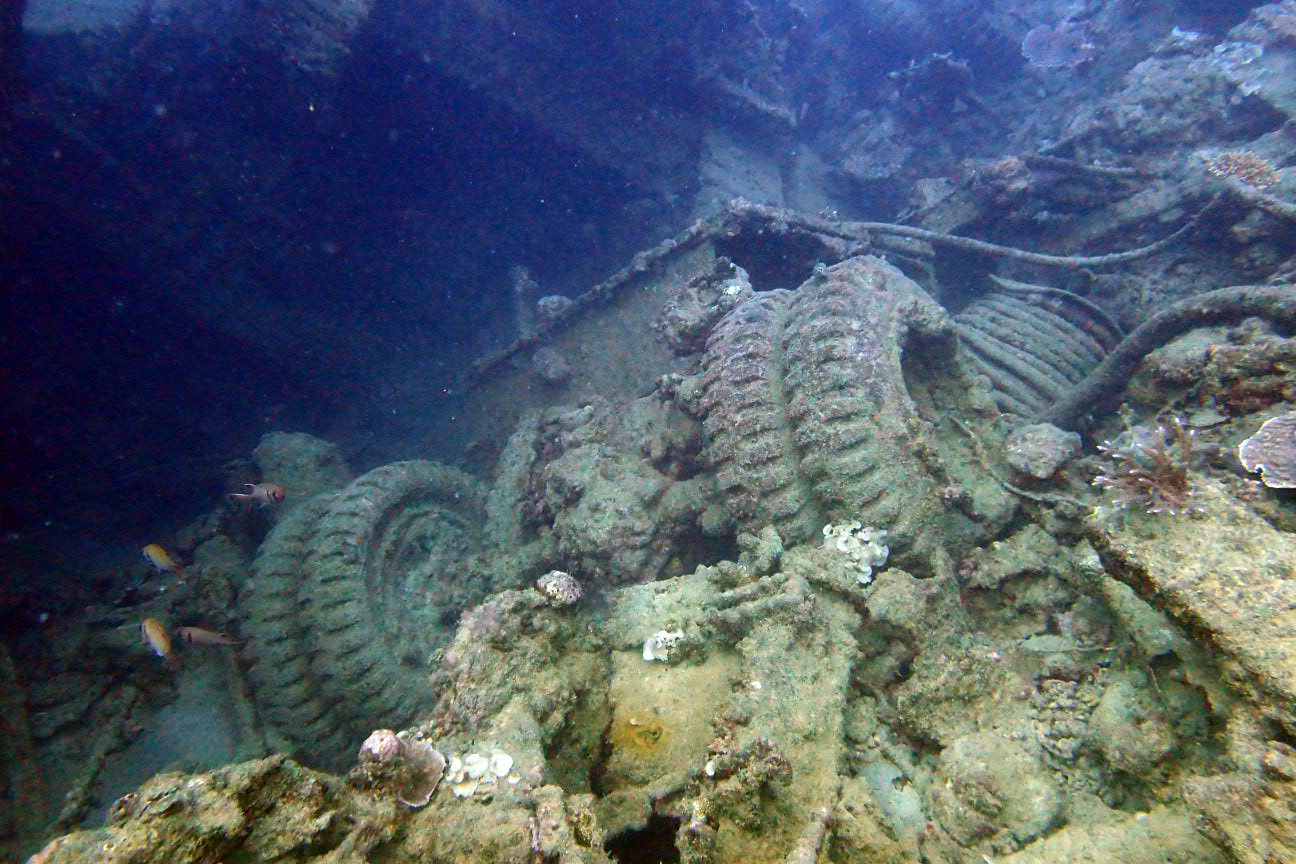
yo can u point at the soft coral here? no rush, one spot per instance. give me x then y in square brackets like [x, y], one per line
[1149, 468]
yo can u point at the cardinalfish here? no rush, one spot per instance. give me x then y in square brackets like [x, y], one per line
[203, 636]
[161, 559]
[158, 639]
[261, 494]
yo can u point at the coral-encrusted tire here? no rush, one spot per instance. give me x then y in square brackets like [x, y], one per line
[848, 399]
[749, 432]
[385, 556]
[353, 594]
[287, 692]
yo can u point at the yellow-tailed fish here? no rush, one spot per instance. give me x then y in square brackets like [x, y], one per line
[161, 559]
[157, 638]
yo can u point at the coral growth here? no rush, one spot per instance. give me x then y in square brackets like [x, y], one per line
[738, 782]
[409, 768]
[1272, 451]
[1148, 468]
[661, 645]
[1057, 47]
[861, 544]
[559, 588]
[1245, 166]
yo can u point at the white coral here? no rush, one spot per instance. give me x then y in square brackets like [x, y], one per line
[862, 544]
[660, 645]
[473, 771]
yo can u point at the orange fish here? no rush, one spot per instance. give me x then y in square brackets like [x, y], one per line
[161, 559]
[203, 636]
[157, 638]
[262, 494]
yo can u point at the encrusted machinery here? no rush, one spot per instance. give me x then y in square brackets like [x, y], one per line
[849, 399]
[351, 595]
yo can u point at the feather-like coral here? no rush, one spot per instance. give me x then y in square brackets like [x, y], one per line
[1148, 467]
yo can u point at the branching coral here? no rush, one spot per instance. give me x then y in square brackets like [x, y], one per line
[1148, 468]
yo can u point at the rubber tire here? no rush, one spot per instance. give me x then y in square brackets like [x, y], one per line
[369, 537]
[287, 692]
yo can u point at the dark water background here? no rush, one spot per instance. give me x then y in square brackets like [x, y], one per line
[203, 242]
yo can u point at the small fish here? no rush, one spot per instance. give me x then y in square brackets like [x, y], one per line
[203, 636]
[161, 559]
[261, 494]
[157, 638]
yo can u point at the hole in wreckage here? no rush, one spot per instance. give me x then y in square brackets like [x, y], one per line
[652, 844]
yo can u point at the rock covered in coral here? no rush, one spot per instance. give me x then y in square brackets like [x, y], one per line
[551, 366]
[1229, 371]
[314, 35]
[1130, 728]
[1040, 449]
[253, 811]
[410, 768]
[515, 648]
[552, 307]
[274, 810]
[696, 305]
[1257, 56]
[744, 742]
[1162, 833]
[613, 486]
[1227, 571]
[991, 787]
[559, 588]
[1247, 810]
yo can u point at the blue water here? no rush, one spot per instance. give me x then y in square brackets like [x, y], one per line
[204, 240]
